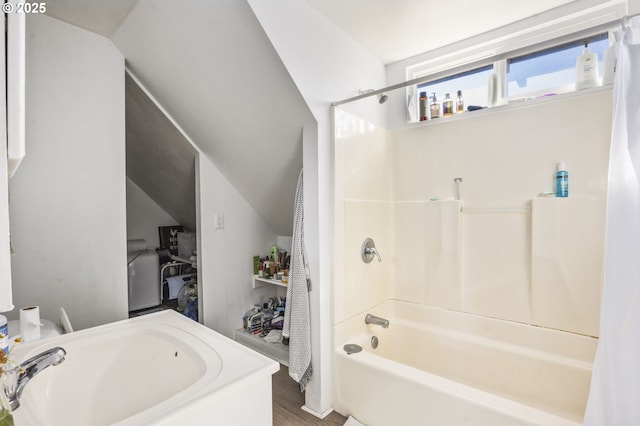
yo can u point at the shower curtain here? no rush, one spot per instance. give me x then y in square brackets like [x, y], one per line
[615, 382]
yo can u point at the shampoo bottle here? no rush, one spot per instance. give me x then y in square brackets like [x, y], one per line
[586, 69]
[562, 181]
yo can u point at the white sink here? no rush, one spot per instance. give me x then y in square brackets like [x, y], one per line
[157, 369]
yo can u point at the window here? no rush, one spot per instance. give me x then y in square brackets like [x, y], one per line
[550, 70]
[473, 85]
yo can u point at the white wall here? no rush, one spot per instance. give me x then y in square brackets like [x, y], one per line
[226, 255]
[144, 216]
[326, 65]
[363, 209]
[6, 296]
[508, 254]
[524, 259]
[67, 200]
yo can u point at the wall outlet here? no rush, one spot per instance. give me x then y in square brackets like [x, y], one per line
[219, 221]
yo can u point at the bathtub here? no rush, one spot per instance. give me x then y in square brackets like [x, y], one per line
[439, 367]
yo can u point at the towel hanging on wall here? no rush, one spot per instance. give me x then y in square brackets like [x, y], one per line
[297, 319]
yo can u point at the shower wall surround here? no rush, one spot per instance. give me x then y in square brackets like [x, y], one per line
[501, 251]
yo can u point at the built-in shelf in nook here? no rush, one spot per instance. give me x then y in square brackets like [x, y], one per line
[261, 282]
[276, 351]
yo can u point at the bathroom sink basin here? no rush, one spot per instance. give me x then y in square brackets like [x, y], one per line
[146, 370]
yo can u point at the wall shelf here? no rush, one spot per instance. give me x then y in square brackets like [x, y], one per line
[276, 351]
[262, 282]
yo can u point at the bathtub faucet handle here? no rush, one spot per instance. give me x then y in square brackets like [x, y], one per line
[374, 252]
[368, 251]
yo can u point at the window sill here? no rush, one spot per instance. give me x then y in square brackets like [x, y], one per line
[512, 105]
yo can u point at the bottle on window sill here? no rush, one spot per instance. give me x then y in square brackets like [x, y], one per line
[447, 106]
[459, 103]
[435, 107]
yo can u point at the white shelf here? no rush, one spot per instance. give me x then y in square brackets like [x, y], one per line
[262, 282]
[276, 351]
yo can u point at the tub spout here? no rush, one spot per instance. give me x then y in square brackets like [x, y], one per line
[372, 319]
[28, 370]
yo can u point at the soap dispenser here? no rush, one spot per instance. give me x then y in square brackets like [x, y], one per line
[435, 107]
[586, 69]
[459, 103]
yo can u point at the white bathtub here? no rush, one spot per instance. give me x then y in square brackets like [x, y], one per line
[439, 367]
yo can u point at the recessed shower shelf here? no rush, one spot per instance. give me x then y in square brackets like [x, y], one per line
[262, 282]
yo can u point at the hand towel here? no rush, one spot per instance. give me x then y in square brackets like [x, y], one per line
[297, 325]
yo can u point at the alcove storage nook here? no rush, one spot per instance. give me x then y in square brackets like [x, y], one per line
[276, 351]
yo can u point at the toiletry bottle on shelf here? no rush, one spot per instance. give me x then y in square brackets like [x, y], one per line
[562, 181]
[459, 103]
[435, 107]
[586, 69]
[424, 102]
[447, 106]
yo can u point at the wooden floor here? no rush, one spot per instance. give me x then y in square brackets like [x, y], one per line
[287, 401]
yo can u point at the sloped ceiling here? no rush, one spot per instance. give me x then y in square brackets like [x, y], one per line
[215, 72]
[159, 159]
[212, 68]
[98, 16]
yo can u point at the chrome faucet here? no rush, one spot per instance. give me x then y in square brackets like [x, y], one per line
[28, 370]
[372, 319]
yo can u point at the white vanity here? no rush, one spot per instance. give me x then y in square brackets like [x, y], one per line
[158, 369]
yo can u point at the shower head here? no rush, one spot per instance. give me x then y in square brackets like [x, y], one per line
[382, 97]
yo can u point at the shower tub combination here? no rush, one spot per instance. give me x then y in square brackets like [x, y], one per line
[433, 366]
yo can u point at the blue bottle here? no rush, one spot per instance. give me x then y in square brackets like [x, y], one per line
[562, 181]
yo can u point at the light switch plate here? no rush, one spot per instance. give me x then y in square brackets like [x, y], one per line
[219, 218]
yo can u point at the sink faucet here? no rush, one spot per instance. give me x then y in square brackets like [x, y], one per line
[29, 369]
[372, 319]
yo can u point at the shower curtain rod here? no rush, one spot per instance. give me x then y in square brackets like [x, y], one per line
[418, 80]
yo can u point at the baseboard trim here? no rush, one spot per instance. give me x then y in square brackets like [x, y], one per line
[316, 413]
